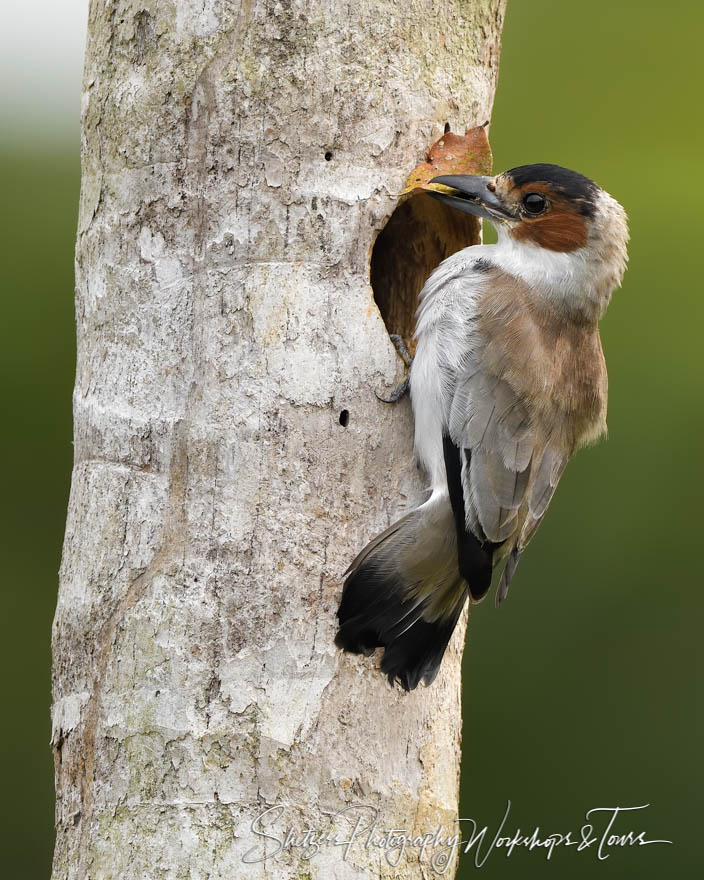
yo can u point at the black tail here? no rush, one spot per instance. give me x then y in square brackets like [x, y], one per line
[404, 593]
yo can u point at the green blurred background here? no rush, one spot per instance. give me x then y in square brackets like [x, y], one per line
[583, 690]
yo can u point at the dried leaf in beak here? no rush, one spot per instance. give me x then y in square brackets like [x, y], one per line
[469, 153]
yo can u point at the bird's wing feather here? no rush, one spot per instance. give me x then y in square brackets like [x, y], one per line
[510, 464]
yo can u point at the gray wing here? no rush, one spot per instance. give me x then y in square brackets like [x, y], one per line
[509, 471]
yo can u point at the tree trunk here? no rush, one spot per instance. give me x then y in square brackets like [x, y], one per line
[230, 454]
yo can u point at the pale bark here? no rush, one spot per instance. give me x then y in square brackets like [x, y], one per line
[225, 319]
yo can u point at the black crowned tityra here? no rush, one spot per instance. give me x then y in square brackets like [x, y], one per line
[508, 381]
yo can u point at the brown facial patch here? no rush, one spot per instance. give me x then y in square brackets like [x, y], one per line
[556, 230]
[562, 227]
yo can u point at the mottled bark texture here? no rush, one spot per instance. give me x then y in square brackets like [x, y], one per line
[237, 165]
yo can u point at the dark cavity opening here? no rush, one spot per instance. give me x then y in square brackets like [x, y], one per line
[418, 236]
[344, 418]
[328, 156]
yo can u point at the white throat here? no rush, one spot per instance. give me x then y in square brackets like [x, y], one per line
[572, 281]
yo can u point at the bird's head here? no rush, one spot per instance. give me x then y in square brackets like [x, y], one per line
[551, 217]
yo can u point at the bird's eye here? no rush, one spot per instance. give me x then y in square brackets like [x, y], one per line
[534, 203]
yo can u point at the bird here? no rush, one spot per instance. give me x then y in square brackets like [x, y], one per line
[508, 381]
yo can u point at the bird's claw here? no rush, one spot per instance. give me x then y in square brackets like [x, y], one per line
[402, 389]
[396, 394]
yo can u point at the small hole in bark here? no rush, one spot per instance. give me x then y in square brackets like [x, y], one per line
[344, 418]
[447, 127]
[328, 156]
[418, 236]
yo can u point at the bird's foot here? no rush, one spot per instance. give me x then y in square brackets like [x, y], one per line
[402, 349]
[398, 392]
[402, 389]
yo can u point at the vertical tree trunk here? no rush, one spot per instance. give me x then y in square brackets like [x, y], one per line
[230, 454]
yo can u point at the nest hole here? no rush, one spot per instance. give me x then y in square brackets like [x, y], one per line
[417, 237]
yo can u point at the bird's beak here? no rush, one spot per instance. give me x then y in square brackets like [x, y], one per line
[471, 193]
